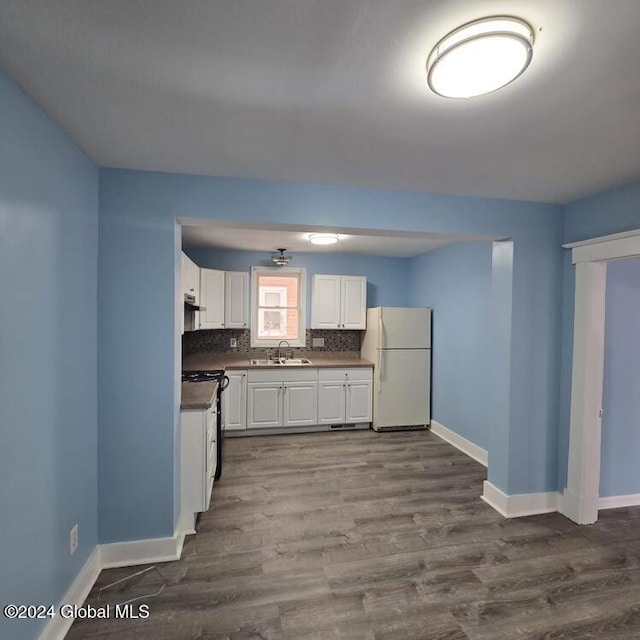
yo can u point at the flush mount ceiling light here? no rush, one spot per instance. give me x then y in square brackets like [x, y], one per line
[480, 57]
[280, 259]
[323, 238]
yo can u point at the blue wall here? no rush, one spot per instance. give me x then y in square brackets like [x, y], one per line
[387, 278]
[456, 282]
[48, 278]
[612, 211]
[620, 471]
[137, 328]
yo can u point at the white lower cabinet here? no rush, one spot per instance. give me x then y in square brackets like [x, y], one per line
[264, 408]
[282, 398]
[345, 396]
[331, 402]
[300, 403]
[198, 459]
[234, 402]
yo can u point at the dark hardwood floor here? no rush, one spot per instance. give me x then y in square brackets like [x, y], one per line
[364, 536]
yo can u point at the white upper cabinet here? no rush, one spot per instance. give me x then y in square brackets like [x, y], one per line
[325, 302]
[236, 300]
[190, 277]
[338, 302]
[212, 299]
[353, 299]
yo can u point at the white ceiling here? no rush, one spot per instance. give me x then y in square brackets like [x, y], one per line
[268, 238]
[334, 91]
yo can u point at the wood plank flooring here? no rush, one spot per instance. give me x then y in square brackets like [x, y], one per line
[367, 536]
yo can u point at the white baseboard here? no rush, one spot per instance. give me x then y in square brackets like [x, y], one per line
[58, 627]
[108, 556]
[466, 446]
[617, 502]
[187, 524]
[519, 505]
[135, 552]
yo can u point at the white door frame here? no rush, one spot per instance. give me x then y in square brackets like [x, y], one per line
[580, 500]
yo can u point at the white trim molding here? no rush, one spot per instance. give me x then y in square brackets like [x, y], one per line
[581, 497]
[522, 504]
[615, 246]
[466, 446]
[617, 502]
[585, 425]
[135, 552]
[57, 628]
[108, 556]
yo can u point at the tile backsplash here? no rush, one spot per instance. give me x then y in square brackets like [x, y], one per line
[218, 340]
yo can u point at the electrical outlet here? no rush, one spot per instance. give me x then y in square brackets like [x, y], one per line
[233, 343]
[317, 342]
[73, 540]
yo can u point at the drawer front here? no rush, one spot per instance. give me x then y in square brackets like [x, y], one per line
[354, 374]
[283, 375]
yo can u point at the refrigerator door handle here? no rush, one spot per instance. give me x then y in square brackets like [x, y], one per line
[380, 330]
[380, 354]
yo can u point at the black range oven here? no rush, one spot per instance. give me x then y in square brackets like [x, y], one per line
[218, 376]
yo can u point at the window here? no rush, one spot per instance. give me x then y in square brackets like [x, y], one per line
[278, 306]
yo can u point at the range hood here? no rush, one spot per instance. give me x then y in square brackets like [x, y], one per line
[190, 302]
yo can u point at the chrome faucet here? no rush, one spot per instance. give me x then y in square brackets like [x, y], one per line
[280, 345]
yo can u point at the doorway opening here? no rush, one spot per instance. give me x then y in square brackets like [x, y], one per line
[581, 499]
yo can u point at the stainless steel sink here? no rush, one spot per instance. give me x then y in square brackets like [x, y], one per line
[283, 362]
[295, 362]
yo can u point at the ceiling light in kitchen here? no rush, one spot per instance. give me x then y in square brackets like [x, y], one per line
[480, 57]
[323, 238]
[280, 259]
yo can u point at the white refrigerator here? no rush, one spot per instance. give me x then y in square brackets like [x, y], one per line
[398, 342]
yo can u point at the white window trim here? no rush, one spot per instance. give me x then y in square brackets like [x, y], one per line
[301, 274]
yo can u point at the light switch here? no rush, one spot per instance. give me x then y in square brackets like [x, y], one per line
[317, 342]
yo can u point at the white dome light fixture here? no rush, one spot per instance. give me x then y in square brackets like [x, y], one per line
[323, 238]
[480, 57]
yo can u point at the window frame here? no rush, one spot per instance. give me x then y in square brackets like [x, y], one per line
[301, 275]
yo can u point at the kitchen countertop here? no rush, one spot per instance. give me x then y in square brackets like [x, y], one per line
[200, 395]
[320, 360]
[197, 395]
